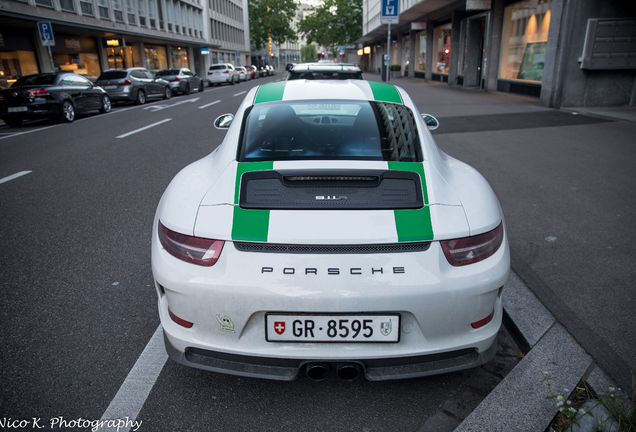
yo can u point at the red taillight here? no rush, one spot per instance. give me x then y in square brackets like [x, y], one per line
[226, 71]
[469, 250]
[125, 83]
[194, 250]
[484, 321]
[175, 79]
[39, 93]
[180, 321]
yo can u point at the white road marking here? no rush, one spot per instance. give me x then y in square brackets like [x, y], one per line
[210, 104]
[143, 128]
[243, 92]
[155, 108]
[137, 386]
[14, 176]
[27, 132]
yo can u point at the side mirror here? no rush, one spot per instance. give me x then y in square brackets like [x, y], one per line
[224, 121]
[430, 121]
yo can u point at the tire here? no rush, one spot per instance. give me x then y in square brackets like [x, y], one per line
[232, 81]
[68, 112]
[187, 90]
[210, 84]
[201, 87]
[106, 105]
[167, 92]
[141, 97]
[13, 122]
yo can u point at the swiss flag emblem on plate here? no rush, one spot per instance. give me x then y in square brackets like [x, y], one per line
[279, 327]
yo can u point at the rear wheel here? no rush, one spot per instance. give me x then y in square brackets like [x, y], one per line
[187, 90]
[201, 86]
[232, 81]
[167, 93]
[141, 97]
[68, 112]
[106, 105]
[13, 122]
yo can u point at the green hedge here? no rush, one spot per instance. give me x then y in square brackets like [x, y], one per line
[395, 68]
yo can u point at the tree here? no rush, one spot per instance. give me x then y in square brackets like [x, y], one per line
[308, 53]
[334, 23]
[271, 18]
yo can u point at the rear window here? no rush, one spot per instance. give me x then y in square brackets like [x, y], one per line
[218, 67]
[35, 80]
[330, 130]
[168, 72]
[111, 75]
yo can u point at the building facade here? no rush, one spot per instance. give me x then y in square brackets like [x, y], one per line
[564, 52]
[91, 36]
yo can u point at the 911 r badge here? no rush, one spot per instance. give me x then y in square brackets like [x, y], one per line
[226, 323]
[386, 328]
[279, 327]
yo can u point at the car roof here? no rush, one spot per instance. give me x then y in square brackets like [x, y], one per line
[355, 90]
[331, 67]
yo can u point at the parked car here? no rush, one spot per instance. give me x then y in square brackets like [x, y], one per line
[327, 233]
[262, 71]
[51, 95]
[133, 85]
[325, 71]
[243, 75]
[270, 70]
[253, 70]
[289, 66]
[222, 73]
[181, 80]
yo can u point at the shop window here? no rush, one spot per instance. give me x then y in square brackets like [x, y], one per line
[179, 58]
[406, 43]
[84, 64]
[525, 36]
[16, 64]
[214, 58]
[156, 57]
[86, 8]
[441, 49]
[420, 52]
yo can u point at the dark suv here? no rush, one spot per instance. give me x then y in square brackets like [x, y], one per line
[133, 85]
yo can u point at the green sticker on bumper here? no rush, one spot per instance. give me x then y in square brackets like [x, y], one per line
[413, 225]
[249, 225]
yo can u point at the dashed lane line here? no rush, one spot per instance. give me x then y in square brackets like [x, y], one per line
[144, 128]
[134, 391]
[14, 176]
[210, 104]
[238, 94]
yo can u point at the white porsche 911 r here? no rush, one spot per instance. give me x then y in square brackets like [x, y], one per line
[327, 232]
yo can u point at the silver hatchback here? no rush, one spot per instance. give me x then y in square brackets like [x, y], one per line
[133, 85]
[181, 80]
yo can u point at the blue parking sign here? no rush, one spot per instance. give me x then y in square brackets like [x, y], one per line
[390, 12]
[46, 33]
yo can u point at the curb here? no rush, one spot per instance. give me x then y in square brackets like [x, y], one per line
[519, 401]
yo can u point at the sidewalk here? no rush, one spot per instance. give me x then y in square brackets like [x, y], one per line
[519, 403]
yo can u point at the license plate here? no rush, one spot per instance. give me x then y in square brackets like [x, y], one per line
[332, 328]
[17, 109]
[110, 87]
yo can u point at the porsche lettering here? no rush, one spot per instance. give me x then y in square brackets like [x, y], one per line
[334, 271]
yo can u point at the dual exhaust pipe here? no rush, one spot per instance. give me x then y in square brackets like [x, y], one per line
[345, 371]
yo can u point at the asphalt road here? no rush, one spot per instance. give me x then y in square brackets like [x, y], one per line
[78, 306]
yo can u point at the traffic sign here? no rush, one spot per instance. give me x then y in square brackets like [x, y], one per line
[390, 12]
[341, 50]
[46, 33]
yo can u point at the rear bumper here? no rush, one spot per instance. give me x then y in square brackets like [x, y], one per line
[34, 112]
[287, 369]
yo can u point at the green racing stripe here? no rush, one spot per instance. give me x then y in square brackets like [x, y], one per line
[249, 225]
[413, 225]
[385, 92]
[271, 92]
